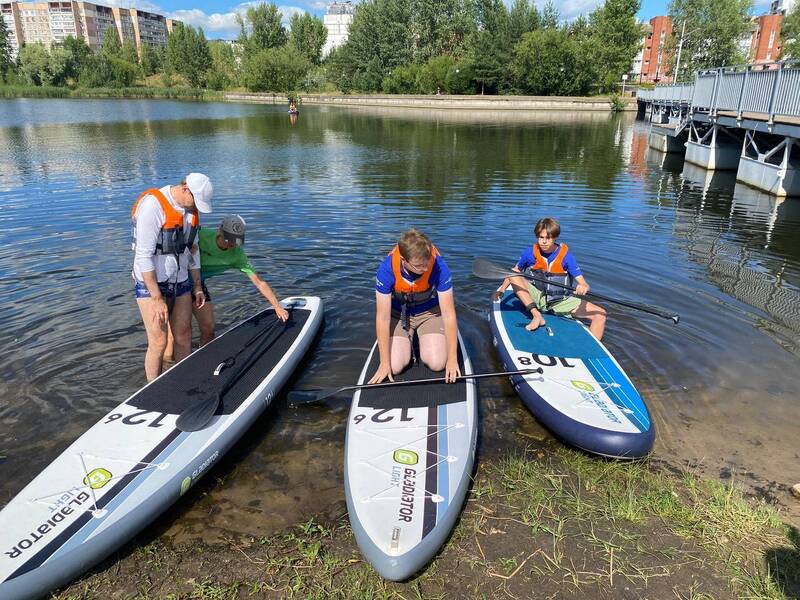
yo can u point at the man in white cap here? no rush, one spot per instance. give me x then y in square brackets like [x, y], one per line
[222, 249]
[164, 224]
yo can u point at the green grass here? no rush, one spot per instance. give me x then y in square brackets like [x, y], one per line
[547, 519]
[32, 91]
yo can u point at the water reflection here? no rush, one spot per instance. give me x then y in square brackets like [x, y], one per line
[325, 196]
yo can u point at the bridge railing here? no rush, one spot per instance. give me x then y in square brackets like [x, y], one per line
[771, 90]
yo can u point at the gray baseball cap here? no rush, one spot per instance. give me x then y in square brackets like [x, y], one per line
[232, 229]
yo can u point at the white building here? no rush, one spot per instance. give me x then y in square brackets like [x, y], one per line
[337, 22]
[781, 6]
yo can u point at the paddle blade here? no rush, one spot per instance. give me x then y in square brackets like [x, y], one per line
[308, 396]
[486, 269]
[302, 396]
[198, 415]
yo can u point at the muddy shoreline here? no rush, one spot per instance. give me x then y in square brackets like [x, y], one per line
[541, 518]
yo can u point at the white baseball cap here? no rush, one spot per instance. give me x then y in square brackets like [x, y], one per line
[202, 190]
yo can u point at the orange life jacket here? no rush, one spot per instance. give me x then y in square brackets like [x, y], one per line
[412, 292]
[171, 238]
[554, 271]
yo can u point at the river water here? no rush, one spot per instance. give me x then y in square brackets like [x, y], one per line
[325, 197]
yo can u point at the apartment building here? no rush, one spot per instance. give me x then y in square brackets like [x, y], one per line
[10, 14]
[337, 20]
[655, 59]
[765, 43]
[52, 21]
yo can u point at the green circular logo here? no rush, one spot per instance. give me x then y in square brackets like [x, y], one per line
[582, 385]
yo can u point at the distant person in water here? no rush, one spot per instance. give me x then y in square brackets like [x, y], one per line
[552, 261]
[222, 249]
[164, 224]
[414, 294]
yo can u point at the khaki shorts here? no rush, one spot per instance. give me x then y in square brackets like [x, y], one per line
[430, 321]
[563, 307]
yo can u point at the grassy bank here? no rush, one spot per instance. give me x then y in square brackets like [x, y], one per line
[544, 521]
[32, 91]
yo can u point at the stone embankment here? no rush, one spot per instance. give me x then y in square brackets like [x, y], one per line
[492, 103]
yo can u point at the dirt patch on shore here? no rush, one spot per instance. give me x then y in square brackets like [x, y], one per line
[545, 522]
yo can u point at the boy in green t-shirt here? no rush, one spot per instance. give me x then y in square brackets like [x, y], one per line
[220, 250]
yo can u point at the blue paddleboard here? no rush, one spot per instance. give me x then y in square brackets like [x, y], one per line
[583, 396]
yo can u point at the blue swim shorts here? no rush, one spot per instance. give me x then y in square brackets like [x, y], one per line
[168, 289]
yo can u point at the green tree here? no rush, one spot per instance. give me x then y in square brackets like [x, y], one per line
[261, 28]
[490, 46]
[59, 66]
[434, 74]
[523, 17]
[274, 69]
[402, 80]
[713, 31]
[223, 65]
[618, 36]
[378, 42]
[188, 54]
[102, 70]
[34, 63]
[129, 53]
[550, 16]
[790, 33]
[79, 53]
[6, 61]
[461, 79]
[111, 44]
[550, 62]
[150, 61]
[438, 27]
[308, 35]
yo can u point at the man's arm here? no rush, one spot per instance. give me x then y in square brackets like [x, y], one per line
[266, 291]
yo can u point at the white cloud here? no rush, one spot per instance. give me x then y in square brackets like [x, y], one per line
[218, 25]
[223, 25]
[570, 9]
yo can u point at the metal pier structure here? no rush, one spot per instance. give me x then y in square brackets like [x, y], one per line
[744, 119]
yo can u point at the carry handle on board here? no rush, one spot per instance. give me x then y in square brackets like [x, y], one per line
[307, 396]
[199, 414]
[486, 269]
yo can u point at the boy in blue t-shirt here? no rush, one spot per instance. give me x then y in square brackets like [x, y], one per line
[552, 262]
[414, 293]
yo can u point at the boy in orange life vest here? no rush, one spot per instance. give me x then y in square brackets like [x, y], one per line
[414, 292]
[164, 225]
[552, 261]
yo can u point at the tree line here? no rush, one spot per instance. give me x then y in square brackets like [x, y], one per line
[407, 46]
[266, 56]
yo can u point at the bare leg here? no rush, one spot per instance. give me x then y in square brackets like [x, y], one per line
[400, 351]
[520, 286]
[433, 350]
[180, 321]
[205, 320]
[156, 339]
[596, 316]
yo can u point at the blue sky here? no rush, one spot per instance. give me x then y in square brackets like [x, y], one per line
[217, 17]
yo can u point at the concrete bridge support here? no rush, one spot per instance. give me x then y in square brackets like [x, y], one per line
[715, 149]
[664, 139]
[771, 167]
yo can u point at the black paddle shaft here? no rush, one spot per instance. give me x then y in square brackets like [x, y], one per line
[197, 416]
[307, 396]
[486, 269]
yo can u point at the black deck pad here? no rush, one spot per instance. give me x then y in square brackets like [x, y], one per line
[417, 395]
[193, 379]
